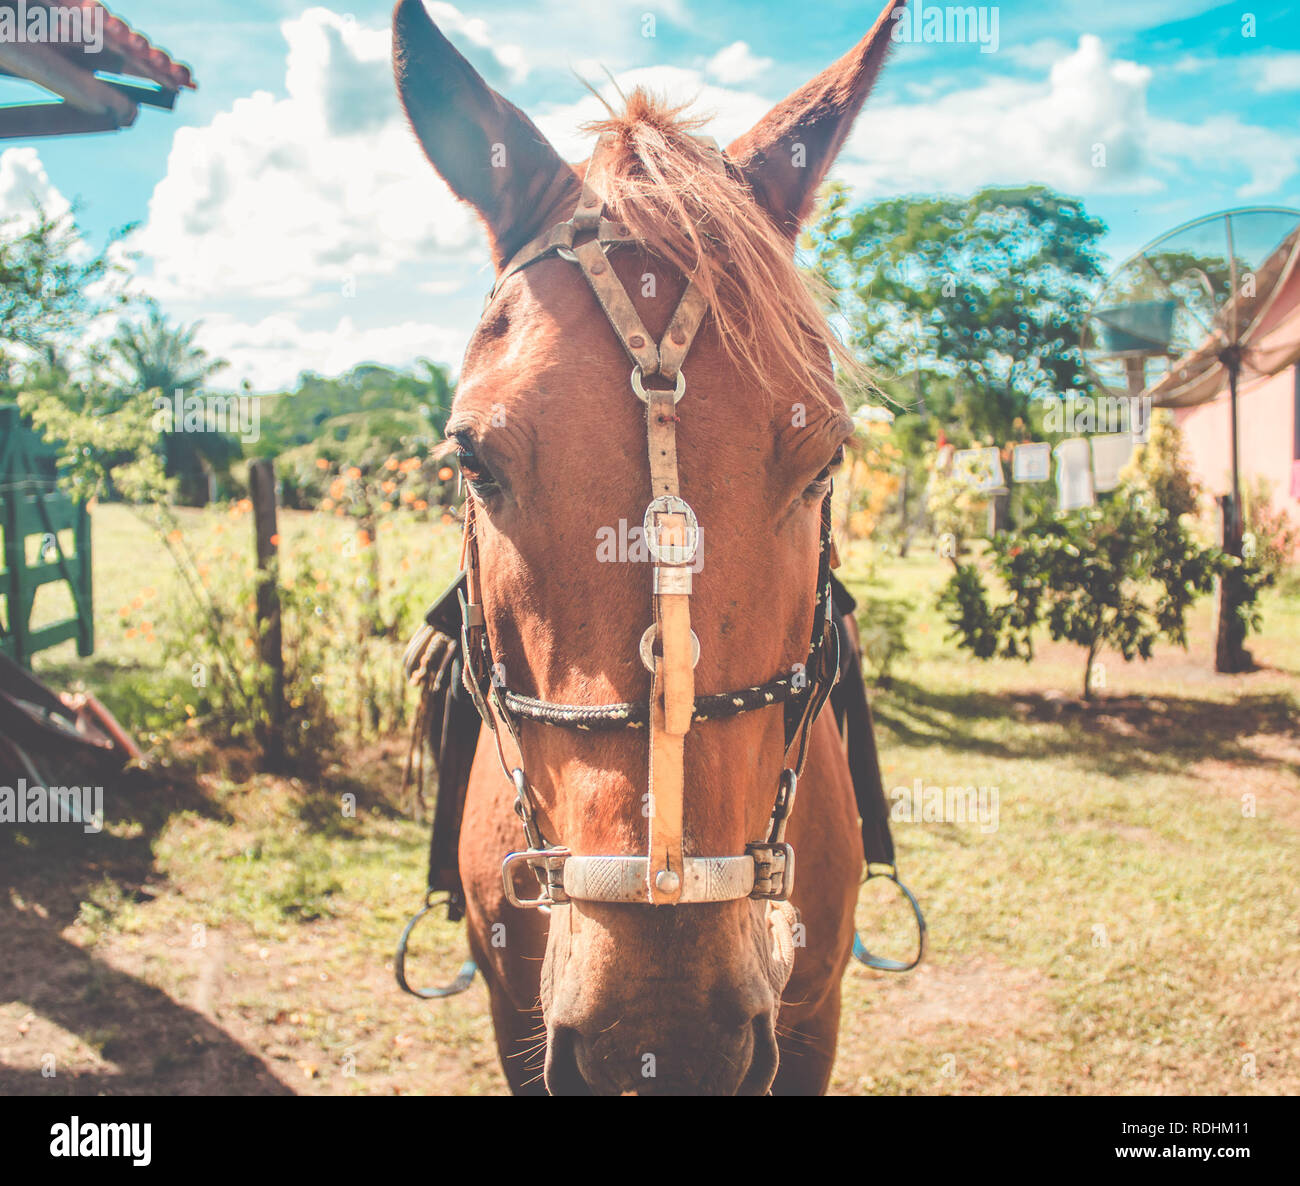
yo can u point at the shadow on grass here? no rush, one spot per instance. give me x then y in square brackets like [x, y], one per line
[1115, 736]
[50, 871]
[54, 874]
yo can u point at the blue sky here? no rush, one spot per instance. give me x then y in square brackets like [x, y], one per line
[285, 204]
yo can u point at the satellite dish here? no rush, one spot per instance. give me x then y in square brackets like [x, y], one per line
[1190, 313]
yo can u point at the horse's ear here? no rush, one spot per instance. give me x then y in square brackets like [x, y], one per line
[787, 154]
[487, 150]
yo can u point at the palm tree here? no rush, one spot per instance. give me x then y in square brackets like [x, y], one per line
[158, 356]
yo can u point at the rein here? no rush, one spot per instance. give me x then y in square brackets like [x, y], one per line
[669, 649]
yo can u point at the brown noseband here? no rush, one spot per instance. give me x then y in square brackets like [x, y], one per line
[669, 649]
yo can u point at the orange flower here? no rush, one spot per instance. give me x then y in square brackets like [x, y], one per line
[385, 507]
[446, 473]
[174, 537]
[420, 505]
[354, 473]
[388, 487]
[338, 488]
[408, 495]
[321, 463]
[410, 465]
[326, 504]
[245, 505]
[391, 463]
[446, 519]
[275, 540]
[363, 539]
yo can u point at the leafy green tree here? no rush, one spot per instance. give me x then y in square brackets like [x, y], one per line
[1120, 575]
[969, 308]
[1158, 467]
[51, 287]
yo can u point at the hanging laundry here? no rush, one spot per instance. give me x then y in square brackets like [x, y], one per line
[1110, 454]
[1073, 474]
[981, 468]
[1032, 463]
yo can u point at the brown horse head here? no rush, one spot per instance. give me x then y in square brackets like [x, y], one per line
[554, 445]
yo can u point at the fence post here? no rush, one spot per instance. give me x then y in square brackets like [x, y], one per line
[261, 484]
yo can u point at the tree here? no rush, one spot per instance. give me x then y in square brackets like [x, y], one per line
[1120, 575]
[1158, 468]
[157, 357]
[973, 305]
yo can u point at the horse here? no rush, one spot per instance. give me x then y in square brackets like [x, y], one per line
[671, 950]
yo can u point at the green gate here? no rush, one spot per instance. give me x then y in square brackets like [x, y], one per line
[34, 511]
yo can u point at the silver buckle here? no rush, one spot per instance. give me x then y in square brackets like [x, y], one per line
[550, 877]
[671, 554]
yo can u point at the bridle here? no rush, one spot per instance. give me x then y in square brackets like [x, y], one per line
[664, 875]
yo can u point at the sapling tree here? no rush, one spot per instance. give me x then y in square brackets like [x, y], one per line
[1120, 575]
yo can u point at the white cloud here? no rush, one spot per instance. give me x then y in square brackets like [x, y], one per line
[1274, 72]
[1013, 130]
[272, 352]
[736, 63]
[24, 185]
[278, 196]
[1089, 107]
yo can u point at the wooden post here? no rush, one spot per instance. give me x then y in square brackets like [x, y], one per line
[261, 484]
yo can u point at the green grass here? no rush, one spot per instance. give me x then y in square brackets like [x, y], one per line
[1131, 925]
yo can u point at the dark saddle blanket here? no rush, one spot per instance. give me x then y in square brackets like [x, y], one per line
[447, 726]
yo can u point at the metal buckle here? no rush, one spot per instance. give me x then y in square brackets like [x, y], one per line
[644, 396]
[550, 877]
[773, 871]
[671, 554]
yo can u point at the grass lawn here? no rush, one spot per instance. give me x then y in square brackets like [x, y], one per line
[1131, 924]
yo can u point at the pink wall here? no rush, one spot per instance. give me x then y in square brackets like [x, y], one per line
[1266, 443]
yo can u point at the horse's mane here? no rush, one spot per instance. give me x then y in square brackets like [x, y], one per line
[658, 181]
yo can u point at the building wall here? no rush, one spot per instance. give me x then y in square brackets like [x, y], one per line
[1268, 440]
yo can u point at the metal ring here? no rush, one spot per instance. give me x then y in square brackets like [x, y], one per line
[644, 396]
[646, 647]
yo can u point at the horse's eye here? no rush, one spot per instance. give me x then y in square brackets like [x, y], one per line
[819, 484]
[474, 468]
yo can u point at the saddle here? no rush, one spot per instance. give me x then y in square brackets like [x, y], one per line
[447, 726]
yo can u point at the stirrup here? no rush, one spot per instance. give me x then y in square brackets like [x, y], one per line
[879, 962]
[464, 978]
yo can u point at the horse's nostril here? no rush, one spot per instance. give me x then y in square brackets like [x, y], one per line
[562, 1074]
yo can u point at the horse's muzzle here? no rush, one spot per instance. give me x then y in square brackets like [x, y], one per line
[742, 1061]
